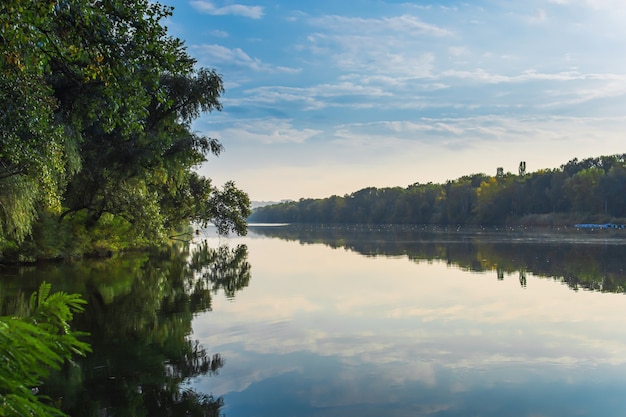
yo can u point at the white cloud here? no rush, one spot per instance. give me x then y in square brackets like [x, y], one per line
[476, 142]
[584, 95]
[278, 95]
[383, 89]
[268, 131]
[218, 55]
[407, 25]
[220, 34]
[458, 50]
[315, 97]
[482, 75]
[253, 12]
[412, 24]
[594, 4]
[396, 46]
[365, 53]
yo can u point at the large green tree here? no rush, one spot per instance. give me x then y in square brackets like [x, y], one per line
[96, 106]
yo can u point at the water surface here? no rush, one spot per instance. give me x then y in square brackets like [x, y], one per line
[349, 321]
[406, 322]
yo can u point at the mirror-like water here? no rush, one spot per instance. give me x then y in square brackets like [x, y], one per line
[297, 321]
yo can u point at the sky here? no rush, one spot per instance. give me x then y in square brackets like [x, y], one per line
[327, 97]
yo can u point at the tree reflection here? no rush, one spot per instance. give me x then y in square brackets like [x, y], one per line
[593, 262]
[139, 314]
[224, 269]
[522, 277]
[500, 273]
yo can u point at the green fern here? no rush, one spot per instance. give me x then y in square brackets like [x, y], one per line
[31, 346]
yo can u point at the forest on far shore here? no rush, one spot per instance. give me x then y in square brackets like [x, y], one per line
[588, 190]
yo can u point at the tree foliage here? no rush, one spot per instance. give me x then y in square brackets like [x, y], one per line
[593, 189]
[31, 346]
[96, 107]
[140, 310]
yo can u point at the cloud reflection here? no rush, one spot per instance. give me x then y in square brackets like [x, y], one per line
[347, 326]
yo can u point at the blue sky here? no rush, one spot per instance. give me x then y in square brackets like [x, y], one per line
[327, 97]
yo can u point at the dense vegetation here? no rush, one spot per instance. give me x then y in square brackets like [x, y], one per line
[31, 345]
[139, 313]
[97, 155]
[590, 190]
[97, 152]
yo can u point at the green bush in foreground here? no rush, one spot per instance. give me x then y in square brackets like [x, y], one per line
[33, 345]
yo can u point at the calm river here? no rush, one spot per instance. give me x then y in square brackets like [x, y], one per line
[349, 321]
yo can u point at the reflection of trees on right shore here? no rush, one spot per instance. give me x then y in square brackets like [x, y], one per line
[580, 261]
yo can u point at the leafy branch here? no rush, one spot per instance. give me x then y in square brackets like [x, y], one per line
[33, 345]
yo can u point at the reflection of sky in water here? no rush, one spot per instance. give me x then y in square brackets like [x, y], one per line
[324, 331]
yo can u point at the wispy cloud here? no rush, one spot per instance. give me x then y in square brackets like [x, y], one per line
[466, 132]
[391, 45]
[253, 12]
[220, 34]
[269, 131]
[482, 75]
[585, 94]
[594, 4]
[280, 96]
[480, 81]
[218, 55]
[405, 24]
[317, 97]
[368, 54]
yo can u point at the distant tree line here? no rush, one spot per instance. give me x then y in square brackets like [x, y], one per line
[592, 189]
